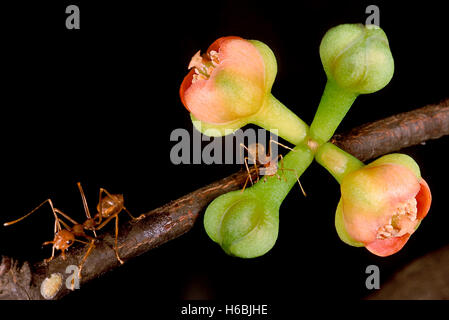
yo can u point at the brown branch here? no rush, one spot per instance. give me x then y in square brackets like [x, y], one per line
[396, 132]
[177, 217]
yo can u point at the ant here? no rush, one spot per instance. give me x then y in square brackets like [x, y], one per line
[256, 153]
[109, 206]
[64, 237]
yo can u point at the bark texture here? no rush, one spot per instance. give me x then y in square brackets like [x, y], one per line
[396, 132]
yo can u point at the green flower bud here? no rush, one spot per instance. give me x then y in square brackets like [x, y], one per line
[357, 57]
[241, 224]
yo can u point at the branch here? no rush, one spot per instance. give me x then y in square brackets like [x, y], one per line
[24, 281]
[396, 132]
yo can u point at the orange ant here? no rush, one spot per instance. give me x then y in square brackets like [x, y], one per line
[109, 206]
[65, 237]
[256, 153]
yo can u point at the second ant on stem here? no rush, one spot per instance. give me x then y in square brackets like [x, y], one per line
[265, 163]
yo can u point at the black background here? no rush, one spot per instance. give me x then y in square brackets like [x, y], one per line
[97, 105]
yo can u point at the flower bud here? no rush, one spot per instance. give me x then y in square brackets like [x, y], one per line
[382, 204]
[357, 57]
[226, 83]
[241, 225]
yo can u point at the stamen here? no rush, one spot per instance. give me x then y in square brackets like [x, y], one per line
[403, 221]
[213, 55]
[204, 65]
[196, 61]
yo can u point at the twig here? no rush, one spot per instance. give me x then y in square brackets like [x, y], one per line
[177, 217]
[396, 132]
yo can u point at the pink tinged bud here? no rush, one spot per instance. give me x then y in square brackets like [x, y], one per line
[382, 205]
[226, 83]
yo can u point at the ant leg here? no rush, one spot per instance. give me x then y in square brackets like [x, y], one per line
[279, 144]
[246, 182]
[84, 242]
[280, 157]
[116, 240]
[116, 234]
[105, 222]
[257, 171]
[83, 198]
[297, 179]
[255, 160]
[132, 217]
[245, 159]
[81, 265]
[247, 169]
[66, 225]
[244, 147]
[65, 215]
[86, 207]
[52, 251]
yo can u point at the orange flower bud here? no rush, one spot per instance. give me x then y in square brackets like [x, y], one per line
[382, 204]
[226, 83]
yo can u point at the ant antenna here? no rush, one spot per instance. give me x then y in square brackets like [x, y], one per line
[34, 210]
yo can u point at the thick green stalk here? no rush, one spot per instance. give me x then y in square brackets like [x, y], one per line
[338, 162]
[333, 107]
[274, 116]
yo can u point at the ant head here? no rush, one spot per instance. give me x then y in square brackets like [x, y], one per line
[64, 239]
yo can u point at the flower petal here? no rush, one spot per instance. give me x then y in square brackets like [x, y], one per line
[185, 85]
[423, 199]
[387, 247]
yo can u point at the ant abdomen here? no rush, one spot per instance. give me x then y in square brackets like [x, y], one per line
[110, 204]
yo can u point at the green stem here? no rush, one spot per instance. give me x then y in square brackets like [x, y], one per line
[275, 188]
[333, 106]
[274, 116]
[338, 162]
